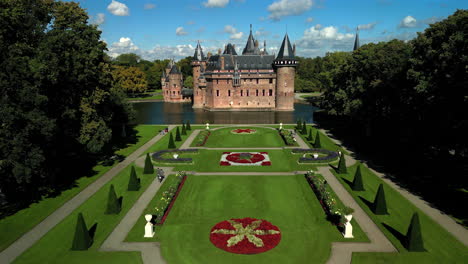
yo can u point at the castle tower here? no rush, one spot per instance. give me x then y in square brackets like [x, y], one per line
[356, 41]
[198, 65]
[285, 65]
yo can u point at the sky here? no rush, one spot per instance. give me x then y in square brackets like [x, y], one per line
[162, 29]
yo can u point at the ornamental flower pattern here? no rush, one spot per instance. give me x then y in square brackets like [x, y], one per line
[243, 131]
[245, 159]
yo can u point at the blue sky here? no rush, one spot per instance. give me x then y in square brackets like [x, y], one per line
[157, 29]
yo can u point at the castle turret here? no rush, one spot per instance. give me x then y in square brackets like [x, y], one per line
[198, 64]
[356, 41]
[285, 65]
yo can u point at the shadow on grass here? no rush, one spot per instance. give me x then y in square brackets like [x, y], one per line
[401, 237]
[120, 201]
[367, 203]
[350, 183]
[92, 231]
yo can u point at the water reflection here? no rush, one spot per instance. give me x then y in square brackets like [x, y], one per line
[175, 113]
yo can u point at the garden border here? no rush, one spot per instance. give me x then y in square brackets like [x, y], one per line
[166, 213]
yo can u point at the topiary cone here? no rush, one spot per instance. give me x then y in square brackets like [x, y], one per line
[298, 126]
[133, 182]
[177, 135]
[342, 165]
[380, 204]
[82, 239]
[171, 144]
[184, 131]
[317, 143]
[304, 128]
[309, 137]
[357, 182]
[188, 126]
[149, 169]
[113, 205]
[414, 240]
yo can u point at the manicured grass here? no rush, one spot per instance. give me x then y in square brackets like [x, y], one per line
[147, 96]
[285, 201]
[441, 246]
[55, 246]
[264, 137]
[14, 226]
[309, 95]
[325, 141]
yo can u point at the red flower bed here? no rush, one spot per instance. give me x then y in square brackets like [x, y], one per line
[173, 201]
[236, 157]
[224, 163]
[266, 163]
[242, 131]
[269, 239]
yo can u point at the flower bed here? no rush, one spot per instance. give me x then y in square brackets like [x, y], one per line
[245, 159]
[158, 156]
[245, 131]
[287, 137]
[202, 138]
[168, 198]
[329, 155]
[245, 236]
[327, 199]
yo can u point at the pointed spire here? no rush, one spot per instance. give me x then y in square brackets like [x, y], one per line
[265, 52]
[356, 41]
[250, 45]
[286, 50]
[198, 53]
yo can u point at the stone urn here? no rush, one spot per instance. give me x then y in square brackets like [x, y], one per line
[207, 125]
[148, 217]
[348, 217]
[281, 126]
[315, 155]
[175, 156]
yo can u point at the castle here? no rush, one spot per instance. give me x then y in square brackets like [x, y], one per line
[254, 80]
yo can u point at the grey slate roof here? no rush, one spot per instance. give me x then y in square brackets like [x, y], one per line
[356, 41]
[198, 53]
[250, 45]
[286, 50]
[174, 70]
[230, 49]
[245, 62]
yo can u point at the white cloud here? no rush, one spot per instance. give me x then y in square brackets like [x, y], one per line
[309, 19]
[216, 3]
[180, 31]
[118, 9]
[282, 8]
[367, 26]
[149, 6]
[322, 39]
[99, 19]
[262, 32]
[125, 45]
[408, 22]
[234, 34]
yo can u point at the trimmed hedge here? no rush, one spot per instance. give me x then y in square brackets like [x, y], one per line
[149, 169]
[171, 144]
[357, 182]
[188, 126]
[177, 135]
[331, 155]
[342, 165]
[157, 156]
[133, 182]
[113, 204]
[380, 204]
[414, 240]
[82, 240]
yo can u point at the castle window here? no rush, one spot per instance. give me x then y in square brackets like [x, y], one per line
[242, 92]
[270, 92]
[173, 92]
[178, 92]
[217, 92]
[250, 80]
[247, 92]
[263, 92]
[175, 86]
[217, 81]
[257, 81]
[271, 80]
[228, 81]
[256, 93]
[229, 92]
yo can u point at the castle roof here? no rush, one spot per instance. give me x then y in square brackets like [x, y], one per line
[248, 62]
[286, 50]
[198, 53]
[230, 49]
[356, 41]
[250, 47]
[174, 70]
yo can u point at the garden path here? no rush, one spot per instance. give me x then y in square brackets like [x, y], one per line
[27, 240]
[439, 217]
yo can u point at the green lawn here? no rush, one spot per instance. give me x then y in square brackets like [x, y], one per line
[441, 246]
[264, 137]
[14, 226]
[287, 202]
[155, 95]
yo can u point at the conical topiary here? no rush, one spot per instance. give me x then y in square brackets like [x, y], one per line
[177, 135]
[309, 137]
[304, 128]
[342, 165]
[357, 182]
[82, 239]
[149, 169]
[414, 241]
[188, 126]
[298, 126]
[171, 144]
[133, 182]
[113, 205]
[317, 143]
[380, 205]
[183, 132]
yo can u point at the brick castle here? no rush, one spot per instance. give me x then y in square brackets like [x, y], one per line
[254, 80]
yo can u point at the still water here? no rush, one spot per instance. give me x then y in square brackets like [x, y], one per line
[175, 113]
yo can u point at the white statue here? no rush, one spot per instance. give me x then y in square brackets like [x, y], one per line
[348, 228]
[175, 156]
[207, 125]
[281, 126]
[149, 231]
[315, 155]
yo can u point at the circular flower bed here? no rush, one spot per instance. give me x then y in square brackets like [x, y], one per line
[245, 236]
[245, 158]
[243, 131]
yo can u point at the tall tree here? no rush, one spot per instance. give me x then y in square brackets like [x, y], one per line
[127, 59]
[130, 79]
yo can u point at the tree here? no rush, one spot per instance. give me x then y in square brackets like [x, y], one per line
[82, 240]
[149, 168]
[380, 204]
[133, 182]
[188, 82]
[177, 135]
[171, 144]
[414, 240]
[310, 137]
[130, 79]
[184, 131]
[317, 143]
[357, 182]
[127, 59]
[342, 165]
[188, 125]
[299, 125]
[304, 129]
[113, 204]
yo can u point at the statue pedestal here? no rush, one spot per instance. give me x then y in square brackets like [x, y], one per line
[348, 228]
[149, 231]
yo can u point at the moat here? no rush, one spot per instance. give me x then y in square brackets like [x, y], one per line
[175, 113]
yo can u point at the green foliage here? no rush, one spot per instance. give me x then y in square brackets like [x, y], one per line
[317, 143]
[113, 203]
[299, 125]
[133, 182]
[287, 136]
[310, 137]
[414, 240]
[188, 125]
[130, 79]
[171, 144]
[357, 182]
[82, 240]
[202, 138]
[304, 129]
[342, 165]
[184, 131]
[149, 169]
[177, 135]
[380, 204]
[188, 82]
[127, 59]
